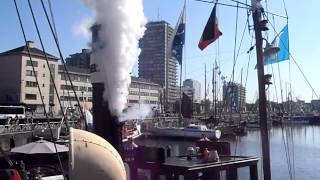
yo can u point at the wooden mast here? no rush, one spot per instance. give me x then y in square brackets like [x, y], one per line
[256, 15]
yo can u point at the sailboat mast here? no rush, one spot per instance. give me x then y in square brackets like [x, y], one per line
[240, 100]
[256, 15]
[205, 91]
[213, 93]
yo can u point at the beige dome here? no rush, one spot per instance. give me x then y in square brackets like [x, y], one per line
[92, 157]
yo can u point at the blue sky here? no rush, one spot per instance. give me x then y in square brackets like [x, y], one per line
[303, 34]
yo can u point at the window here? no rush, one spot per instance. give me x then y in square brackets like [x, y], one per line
[42, 85]
[63, 77]
[82, 88]
[43, 75]
[52, 67]
[89, 89]
[31, 73]
[83, 79]
[31, 96]
[35, 63]
[31, 84]
[133, 101]
[44, 66]
[65, 87]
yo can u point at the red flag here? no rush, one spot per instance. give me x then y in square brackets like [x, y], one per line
[211, 32]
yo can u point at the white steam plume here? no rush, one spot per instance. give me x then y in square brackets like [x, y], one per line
[122, 25]
[137, 111]
[82, 28]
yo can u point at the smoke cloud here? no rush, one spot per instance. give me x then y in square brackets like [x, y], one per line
[137, 111]
[122, 25]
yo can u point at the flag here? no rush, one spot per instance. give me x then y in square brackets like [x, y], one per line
[179, 36]
[211, 32]
[281, 41]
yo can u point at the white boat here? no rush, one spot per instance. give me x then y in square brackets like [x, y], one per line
[190, 131]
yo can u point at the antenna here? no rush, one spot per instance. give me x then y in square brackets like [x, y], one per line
[158, 15]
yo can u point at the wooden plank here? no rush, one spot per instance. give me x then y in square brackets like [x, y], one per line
[232, 173]
[253, 171]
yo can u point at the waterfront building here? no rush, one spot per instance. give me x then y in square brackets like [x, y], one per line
[156, 62]
[315, 105]
[80, 60]
[192, 88]
[144, 91]
[234, 97]
[80, 78]
[18, 84]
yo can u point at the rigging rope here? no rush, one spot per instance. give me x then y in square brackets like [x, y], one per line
[47, 61]
[38, 86]
[296, 63]
[235, 44]
[248, 7]
[52, 19]
[290, 160]
[63, 62]
[234, 63]
[65, 78]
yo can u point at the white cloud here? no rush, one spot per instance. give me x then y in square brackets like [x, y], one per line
[82, 28]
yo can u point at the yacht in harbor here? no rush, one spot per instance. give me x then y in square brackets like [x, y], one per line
[190, 131]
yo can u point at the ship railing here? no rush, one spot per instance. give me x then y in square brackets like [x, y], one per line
[5, 129]
[21, 128]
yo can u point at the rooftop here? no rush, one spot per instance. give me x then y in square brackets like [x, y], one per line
[143, 80]
[33, 51]
[73, 69]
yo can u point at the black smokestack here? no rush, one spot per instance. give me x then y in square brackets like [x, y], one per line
[119, 26]
[105, 124]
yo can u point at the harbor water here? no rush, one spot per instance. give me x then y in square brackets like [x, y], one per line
[294, 150]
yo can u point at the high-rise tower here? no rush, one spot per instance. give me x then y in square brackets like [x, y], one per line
[155, 61]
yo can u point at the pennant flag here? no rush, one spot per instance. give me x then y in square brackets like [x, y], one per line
[179, 36]
[281, 41]
[211, 32]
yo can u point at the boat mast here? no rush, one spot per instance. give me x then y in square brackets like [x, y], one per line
[213, 94]
[205, 91]
[256, 15]
[240, 101]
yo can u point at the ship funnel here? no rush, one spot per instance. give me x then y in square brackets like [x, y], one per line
[92, 157]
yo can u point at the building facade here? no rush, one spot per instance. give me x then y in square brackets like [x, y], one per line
[193, 89]
[144, 91]
[80, 60]
[234, 97]
[315, 105]
[156, 62]
[80, 78]
[18, 82]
